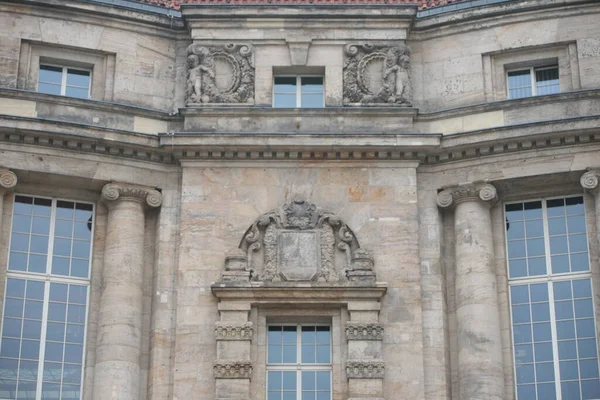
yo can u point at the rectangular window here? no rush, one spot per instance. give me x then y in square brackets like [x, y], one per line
[552, 309]
[46, 298]
[64, 81]
[299, 362]
[533, 82]
[298, 91]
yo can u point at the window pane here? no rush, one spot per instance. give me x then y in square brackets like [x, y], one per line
[77, 92]
[312, 84]
[285, 100]
[78, 78]
[48, 88]
[547, 81]
[50, 74]
[312, 101]
[285, 84]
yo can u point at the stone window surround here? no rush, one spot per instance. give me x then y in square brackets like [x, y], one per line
[496, 64]
[265, 316]
[100, 63]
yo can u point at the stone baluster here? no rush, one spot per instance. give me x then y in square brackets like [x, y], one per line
[117, 370]
[480, 368]
[233, 368]
[589, 181]
[365, 367]
[8, 180]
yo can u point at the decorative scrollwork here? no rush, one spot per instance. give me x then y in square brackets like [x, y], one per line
[473, 192]
[8, 179]
[589, 180]
[112, 192]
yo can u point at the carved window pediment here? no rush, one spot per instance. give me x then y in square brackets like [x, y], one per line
[299, 242]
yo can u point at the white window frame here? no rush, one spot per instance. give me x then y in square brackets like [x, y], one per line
[532, 80]
[298, 88]
[298, 367]
[63, 83]
[550, 279]
[48, 278]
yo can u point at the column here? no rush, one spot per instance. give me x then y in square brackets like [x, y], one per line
[117, 370]
[8, 180]
[365, 367]
[480, 368]
[233, 368]
[589, 181]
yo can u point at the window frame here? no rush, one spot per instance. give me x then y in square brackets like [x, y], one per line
[299, 366]
[549, 278]
[298, 89]
[64, 75]
[532, 80]
[47, 278]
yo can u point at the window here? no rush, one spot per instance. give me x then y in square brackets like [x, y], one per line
[533, 82]
[299, 362]
[45, 307]
[552, 309]
[64, 81]
[298, 91]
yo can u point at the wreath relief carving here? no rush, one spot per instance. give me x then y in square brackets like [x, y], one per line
[299, 242]
[219, 74]
[377, 74]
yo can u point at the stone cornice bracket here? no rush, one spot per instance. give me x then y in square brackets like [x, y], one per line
[112, 192]
[365, 369]
[8, 179]
[474, 192]
[589, 181]
[233, 331]
[364, 331]
[234, 369]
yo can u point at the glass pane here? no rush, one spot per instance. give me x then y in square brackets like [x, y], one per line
[78, 78]
[79, 268]
[83, 212]
[83, 230]
[58, 292]
[514, 212]
[274, 354]
[590, 389]
[546, 391]
[42, 207]
[285, 100]
[312, 101]
[64, 209]
[30, 349]
[50, 74]
[543, 352]
[323, 336]
[285, 84]
[19, 242]
[37, 263]
[560, 264]
[11, 327]
[308, 380]
[274, 380]
[289, 335]
[308, 354]
[64, 228]
[39, 244]
[312, 84]
[567, 350]
[516, 249]
[48, 88]
[81, 249]
[519, 84]
[17, 261]
[324, 381]
[274, 335]
[544, 372]
[289, 380]
[41, 225]
[525, 373]
[289, 354]
[574, 205]
[515, 230]
[537, 266]
[568, 370]
[60, 265]
[323, 354]
[540, 312]
[547, 81]
[535, 228]
[78, 294]
[62, 247]
[519, 294]
[556, 226]
[55, 331]
[518, 268]
[77, 92]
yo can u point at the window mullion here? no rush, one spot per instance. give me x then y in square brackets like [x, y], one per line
[555, 357]
[298, 91]
[533, 82]
[51, 237]
[42, 354]
[63, 83]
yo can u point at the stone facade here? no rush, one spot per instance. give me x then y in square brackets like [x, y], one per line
[380, 215]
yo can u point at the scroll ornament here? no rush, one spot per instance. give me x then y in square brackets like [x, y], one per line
[219, 74]
[377, 74]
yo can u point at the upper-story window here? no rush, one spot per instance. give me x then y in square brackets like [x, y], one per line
[64, 81]
[533, 81]
[299, 362]
[298, 91]
[46, 298]
[551, 297]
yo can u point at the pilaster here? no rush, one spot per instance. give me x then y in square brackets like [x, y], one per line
[365, 367]
[480, 366]
[233, 368]
[117, 370]
[589, 181]
[8, 180]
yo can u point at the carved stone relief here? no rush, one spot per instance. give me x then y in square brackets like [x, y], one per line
[365, 369]
[233, 369]
[299, 242]
[220, 74]
[364, 331]
[232, 331]
[377, 74]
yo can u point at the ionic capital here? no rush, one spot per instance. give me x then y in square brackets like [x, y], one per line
[8, 179]
[459, 194]
[589, 181]
[113, 192]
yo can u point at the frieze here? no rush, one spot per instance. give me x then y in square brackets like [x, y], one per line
[377, 74]
[299, 242]
[235, 369]
[364, 331]
[231, 331]
[8, 179]
[365, 369]
[112, 192]
[220, 74]
[453, 196]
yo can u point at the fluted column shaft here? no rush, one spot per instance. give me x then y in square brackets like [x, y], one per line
[117, 371]
[8, 180]
[477, 313]
[589, 181]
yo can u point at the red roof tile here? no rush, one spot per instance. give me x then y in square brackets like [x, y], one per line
[421, 3]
